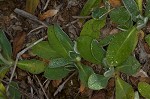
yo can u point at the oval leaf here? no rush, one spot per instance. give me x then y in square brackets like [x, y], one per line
[88, 6]
[84, 74]
[130, 66]
[92, 28]
[56, 73]
[97, 51]
[3, 71]
[144, 89]
[99, 13]
[123, 90]
[89, 51]
[97, 82]
[59, 41]
[32, 66]
[132, 8]
[121, 47]
[119, 15]
[59, 62]
[5, 46]
[44, 50]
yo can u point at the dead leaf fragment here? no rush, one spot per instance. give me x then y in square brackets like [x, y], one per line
[56, 83]
[31, 5]
[49, 13]
[18, 42]
[115, 3]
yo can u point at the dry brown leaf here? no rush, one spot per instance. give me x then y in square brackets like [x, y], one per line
[115, 3]
[56, 83]
[81, 89]
[100, 95]
[49, 13]
[18, 42]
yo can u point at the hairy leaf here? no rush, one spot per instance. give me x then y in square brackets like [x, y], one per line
[59, 41]
[119, 15]
[92, 28]
[121, 47]
[99, 13]
[33, 66]
[44, 50]
[56, 73]
[84, 74]
[59, 62]
[97, 82]
[132, 8]
[90, 51]
[88, 7]
[130, 66]
[144, 89]
[123, 90]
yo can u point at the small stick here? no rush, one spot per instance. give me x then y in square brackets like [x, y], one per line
[41, 87]
[46, 5]
[36, 29]
[81, 17]
[18, 56]
[62, 85]
[29, 16]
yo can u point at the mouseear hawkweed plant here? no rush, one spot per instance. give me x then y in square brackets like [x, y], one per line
[114, 53]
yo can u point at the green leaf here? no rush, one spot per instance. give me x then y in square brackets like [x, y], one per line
[44, 50]
[59, 41]
[84, 74]
[31, 5]
[14, 91]
[56, 73]
[33, 66]
[130, 66]
[147, 10]
[99, 13]
[123, 90]
[147, 39]
[97, 82]
[121, 47]
[144, 89]
[109, 72]
[88, 7]
[132, 8]
[3, 71]
[119, 15]
[5, 46]
[3, 92]
[59, 62]
[97, 51]
[105, 41]
[92, 28]
[91, 50]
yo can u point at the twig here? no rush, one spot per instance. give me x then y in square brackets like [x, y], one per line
[81, 17]
[62, 85]
[18, 56]
[75, 21]
[29, 16]
[35, 29]
[46, 5]
[41, 87]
